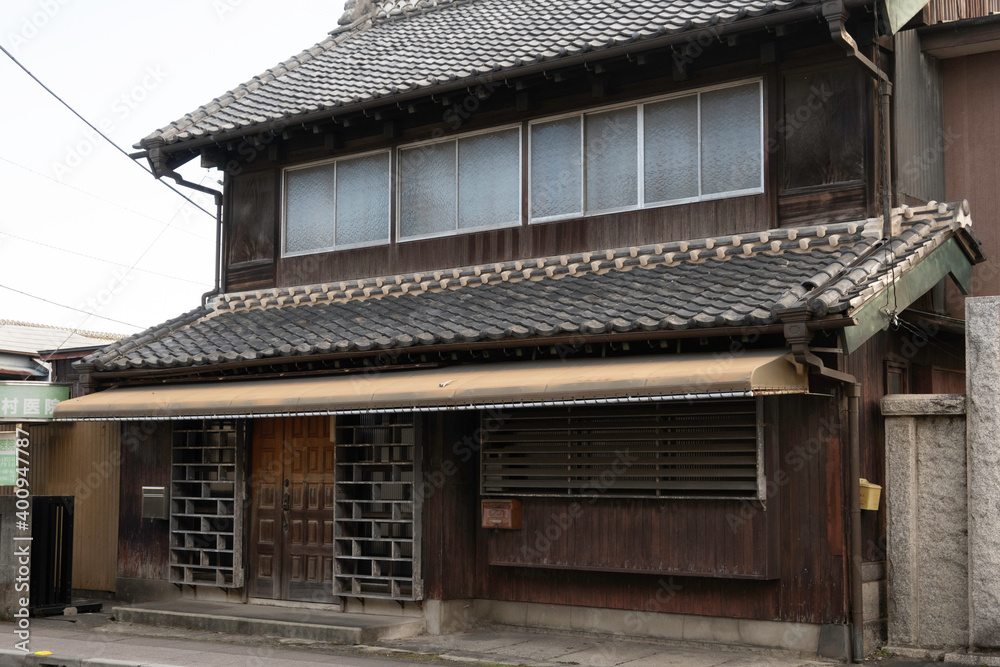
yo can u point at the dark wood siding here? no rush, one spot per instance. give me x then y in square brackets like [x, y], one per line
[805, 439]
[450, 510]
[972, 161]
[669, 223]
[143, 543]
[254, 189]
[251, 230]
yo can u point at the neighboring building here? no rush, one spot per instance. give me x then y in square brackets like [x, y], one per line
[26, 349]
[611, 273]
[78, 460]
[960, 45]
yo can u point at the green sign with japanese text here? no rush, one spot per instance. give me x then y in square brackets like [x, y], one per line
[8, 459]
[30, 401]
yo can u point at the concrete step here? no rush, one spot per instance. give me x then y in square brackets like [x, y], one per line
[285, 622]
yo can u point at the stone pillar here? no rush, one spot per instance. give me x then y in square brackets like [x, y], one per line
[925, 496]
[982, 364]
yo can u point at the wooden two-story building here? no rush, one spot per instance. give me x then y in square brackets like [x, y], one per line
[562, 313]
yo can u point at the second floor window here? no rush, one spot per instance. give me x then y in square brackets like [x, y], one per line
[705, 144]
[466, 183]
[697, 146]
[337, 204]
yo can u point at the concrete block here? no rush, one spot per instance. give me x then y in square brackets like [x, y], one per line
[834, 641]
[551, 616]
[211, 594]
[802, 637]
[901, 525]
[508, 613]
[445, 616]
[654, 624]
[712, 629]
[587, 619]
[11, 658]
[923, 404]
[134, 591]
[942, 566]
[32, 660]
[982, 379]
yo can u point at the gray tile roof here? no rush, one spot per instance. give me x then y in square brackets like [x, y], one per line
[27, 338]
[730, 281]
[417, 45]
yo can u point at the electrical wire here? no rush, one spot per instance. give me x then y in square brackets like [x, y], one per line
[115, 286]
[79, 310]
[99, 198]
[102, 135]
[101, 259]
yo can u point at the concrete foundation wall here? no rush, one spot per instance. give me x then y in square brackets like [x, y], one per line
[926, 520]
[943, 502]
[983, 378]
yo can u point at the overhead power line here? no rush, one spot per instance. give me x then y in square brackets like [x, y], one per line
[101, 259]
[102, 135]
[99, 198]
[63, 305]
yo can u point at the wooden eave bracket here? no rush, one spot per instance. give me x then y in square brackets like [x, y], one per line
[950, 259]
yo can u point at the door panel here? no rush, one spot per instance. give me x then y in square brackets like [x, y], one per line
[265, 492]
[298, 561]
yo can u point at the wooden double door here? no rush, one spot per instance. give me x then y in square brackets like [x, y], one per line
[292, 506]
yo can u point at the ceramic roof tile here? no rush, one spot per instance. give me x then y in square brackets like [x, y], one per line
[833, 274]
[414, 46]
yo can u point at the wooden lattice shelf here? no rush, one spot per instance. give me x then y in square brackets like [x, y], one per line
[377, 541]
[205, 509]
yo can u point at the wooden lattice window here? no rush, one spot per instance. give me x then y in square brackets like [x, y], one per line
[705, 449]
[377, 522]
[206, 504]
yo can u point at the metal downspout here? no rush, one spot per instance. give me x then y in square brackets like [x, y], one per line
[798, 335]
[158, 163]
[836, 15]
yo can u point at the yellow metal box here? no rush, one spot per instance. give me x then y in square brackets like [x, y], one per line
[870, 494]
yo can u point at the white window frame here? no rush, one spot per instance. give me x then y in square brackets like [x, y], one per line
[640, 153]
[400, 238]
[316, 163]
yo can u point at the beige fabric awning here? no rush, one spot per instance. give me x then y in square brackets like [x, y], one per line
[507, 384]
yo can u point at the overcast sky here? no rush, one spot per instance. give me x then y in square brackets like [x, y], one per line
[76, 215]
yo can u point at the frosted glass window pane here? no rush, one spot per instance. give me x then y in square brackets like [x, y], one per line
[730, 139]
[489, 179]
[363, 200]
[670, 145]
[612, 166]
[427, 189]
[309, 208]
[556, 168]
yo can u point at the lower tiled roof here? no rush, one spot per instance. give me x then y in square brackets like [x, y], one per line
[732, 281]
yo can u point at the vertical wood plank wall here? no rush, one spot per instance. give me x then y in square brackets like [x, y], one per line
[82, 460]
[143, 544]
[810, 538]
[972, 162]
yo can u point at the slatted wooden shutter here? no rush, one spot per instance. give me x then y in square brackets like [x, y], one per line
[699, 449]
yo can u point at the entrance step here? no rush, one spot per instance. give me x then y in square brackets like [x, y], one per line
[285, 622]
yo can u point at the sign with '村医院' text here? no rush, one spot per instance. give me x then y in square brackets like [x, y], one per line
[8, 459]
[30, 401]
